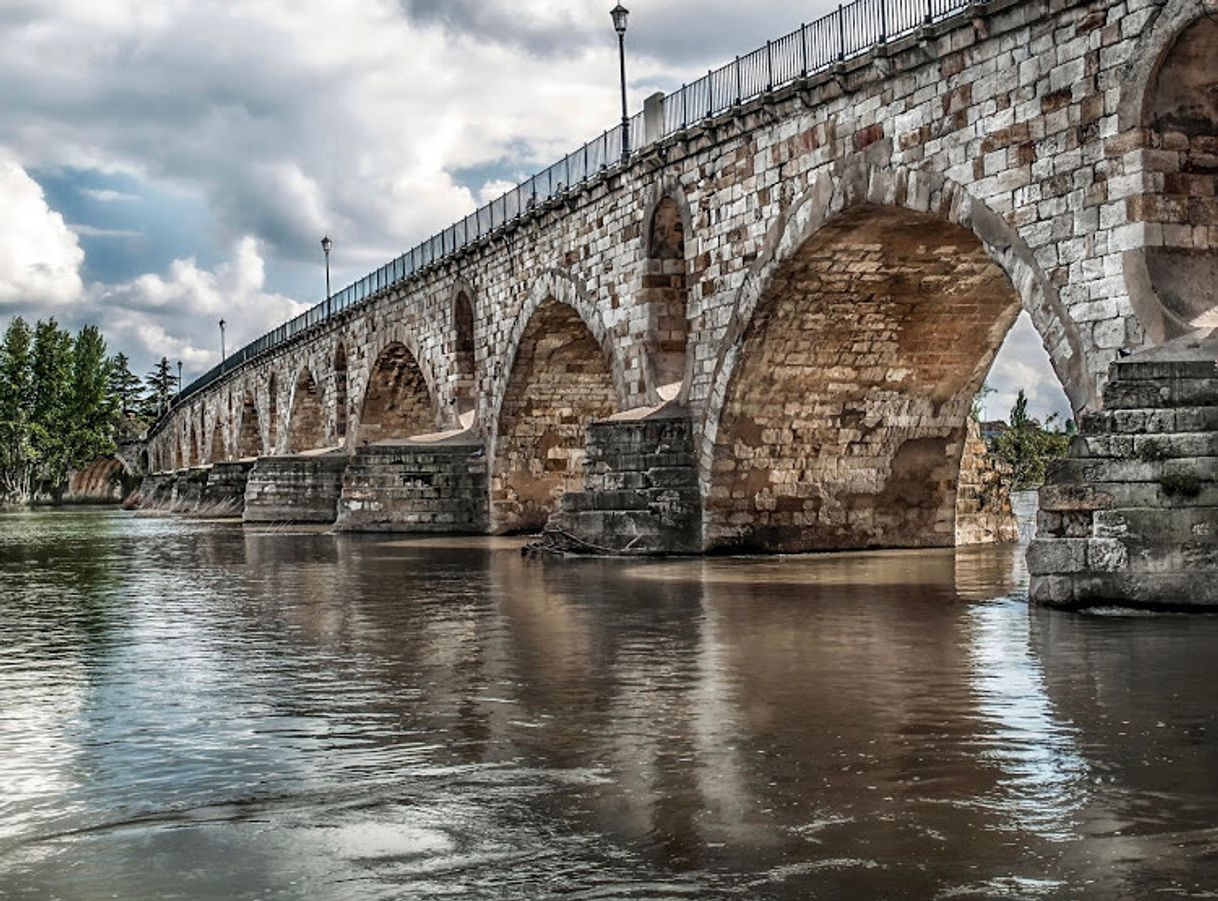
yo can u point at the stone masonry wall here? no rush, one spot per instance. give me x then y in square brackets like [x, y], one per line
[1021, 123]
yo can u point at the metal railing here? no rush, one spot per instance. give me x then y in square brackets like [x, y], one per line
[850, 30]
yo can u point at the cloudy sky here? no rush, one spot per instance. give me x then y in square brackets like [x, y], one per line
[166, 164]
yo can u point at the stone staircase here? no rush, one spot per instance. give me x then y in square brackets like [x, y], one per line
[1131, 517]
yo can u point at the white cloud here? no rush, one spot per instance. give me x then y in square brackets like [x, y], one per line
[92, 231]
[109, 195]
[40, 256]
[177, 314]
[1023, 363]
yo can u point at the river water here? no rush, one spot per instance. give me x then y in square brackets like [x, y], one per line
[189, 709]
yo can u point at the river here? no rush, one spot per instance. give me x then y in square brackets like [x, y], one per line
[189, 709]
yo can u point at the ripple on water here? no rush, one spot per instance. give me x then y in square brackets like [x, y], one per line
[195, 709]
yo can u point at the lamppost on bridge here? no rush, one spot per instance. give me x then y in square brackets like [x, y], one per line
[326, 244]
[619, 14]
[179, 378]
[223, 353]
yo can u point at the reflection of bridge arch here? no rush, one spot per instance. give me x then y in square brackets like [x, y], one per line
[397, 401]
[559, 380]
[839, 405]
[306, 417]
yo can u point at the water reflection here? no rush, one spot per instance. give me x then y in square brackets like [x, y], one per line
[201, 709]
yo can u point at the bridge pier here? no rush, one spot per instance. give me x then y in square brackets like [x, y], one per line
[640, 494]
[298, 488]
[224, 492]
[416, 487]
[1131, 518]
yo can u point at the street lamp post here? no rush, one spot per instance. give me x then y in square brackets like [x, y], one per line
[223, 353]
[179, 378]
[326, 244]
[619, 14]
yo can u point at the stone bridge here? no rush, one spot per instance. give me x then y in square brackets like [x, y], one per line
[764, 331]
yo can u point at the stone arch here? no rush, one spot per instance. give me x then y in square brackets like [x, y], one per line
[560, 379]
[465, 385]
[836, 417]
[193, 442]
[665, 284]
[340, 392]
[397, 399]
[306, 428]
[217, 453]
[249, 434]
[554, 284]
[1169, 106]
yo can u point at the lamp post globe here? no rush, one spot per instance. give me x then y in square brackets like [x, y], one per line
[326, 244]
[619, 13]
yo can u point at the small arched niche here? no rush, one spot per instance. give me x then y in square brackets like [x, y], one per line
[665, 292]
[340, 392]
[1180, 117]
[465, 390]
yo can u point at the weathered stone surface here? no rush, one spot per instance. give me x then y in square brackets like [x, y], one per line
[295, 489]
[640, 492]
[983, 500]
[1146, 519]
[438, 487]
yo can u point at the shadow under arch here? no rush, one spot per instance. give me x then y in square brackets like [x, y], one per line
[306, 416]
[397, 400]
[559, 378]
[837, 415]
[1169, 105]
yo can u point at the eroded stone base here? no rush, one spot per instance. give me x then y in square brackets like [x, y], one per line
[224, 493]
[640, 492]
[984, 514]
[438, 487]
[1131, 518]
[295, 488]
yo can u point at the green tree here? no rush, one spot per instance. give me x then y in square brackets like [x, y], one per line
[1029, 446]
[50, 388]
[16, 448]
[124, 384]
[91, 406]
[161, 384]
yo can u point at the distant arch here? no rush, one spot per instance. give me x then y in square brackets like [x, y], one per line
[397, 403]
[465, 387]
[218, 453]
[306, 418]
[272, 415]
[340, 392]
[249, 434]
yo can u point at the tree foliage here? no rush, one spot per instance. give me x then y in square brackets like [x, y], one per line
[61, 405]
[1029, 447]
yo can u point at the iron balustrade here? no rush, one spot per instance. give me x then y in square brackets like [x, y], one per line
[849, 31]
